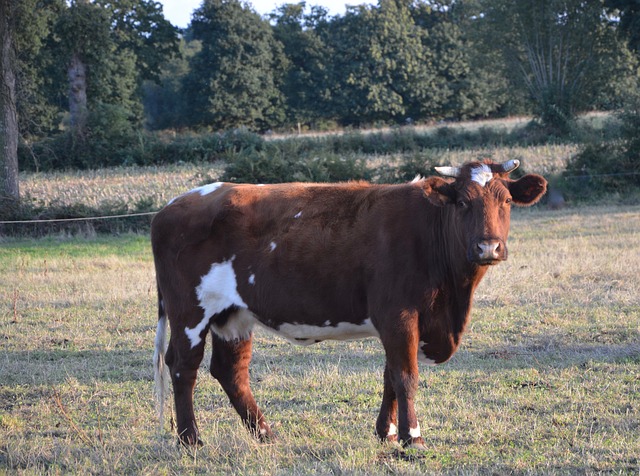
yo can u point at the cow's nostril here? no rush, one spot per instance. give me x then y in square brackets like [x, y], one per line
[488, 249]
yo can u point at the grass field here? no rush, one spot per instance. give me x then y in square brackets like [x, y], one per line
[160, 184]
[547, 379]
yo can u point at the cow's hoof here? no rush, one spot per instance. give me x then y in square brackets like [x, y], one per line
[411, 452]
[416, 447]
[414, 444]
[192, 443]
[266, 437]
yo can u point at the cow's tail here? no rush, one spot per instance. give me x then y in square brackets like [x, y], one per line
[160, 371]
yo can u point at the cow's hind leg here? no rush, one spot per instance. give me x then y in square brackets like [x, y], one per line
[183, 362]
[386, 428]
[230, 366]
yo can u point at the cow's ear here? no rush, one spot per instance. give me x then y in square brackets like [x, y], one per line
[439, 191]
[528, 189]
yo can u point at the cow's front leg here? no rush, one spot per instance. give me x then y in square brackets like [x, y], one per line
[386, 425]
[401, 348]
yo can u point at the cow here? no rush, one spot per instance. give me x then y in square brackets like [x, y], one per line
[313, 262]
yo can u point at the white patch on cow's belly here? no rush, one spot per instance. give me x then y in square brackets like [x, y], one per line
[305, 334]
[481, 175]
[422, 357]
[218, 290]
[238, 326]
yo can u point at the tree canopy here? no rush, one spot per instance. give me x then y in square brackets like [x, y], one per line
[392, 62]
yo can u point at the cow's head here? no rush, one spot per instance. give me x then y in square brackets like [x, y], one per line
[478, 204]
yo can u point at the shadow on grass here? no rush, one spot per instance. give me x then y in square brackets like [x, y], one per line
[57, 365]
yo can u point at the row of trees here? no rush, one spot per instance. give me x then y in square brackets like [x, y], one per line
[398, 61]
[87, 69]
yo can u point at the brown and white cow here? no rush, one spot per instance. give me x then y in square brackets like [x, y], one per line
[327, 261]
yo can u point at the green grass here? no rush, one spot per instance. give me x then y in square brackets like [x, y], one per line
[547, 379]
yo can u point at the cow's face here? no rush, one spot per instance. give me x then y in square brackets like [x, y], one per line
[478, 205]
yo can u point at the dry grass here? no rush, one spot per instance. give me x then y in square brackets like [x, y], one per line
[160, 184]
[547, 379]
[129, 184]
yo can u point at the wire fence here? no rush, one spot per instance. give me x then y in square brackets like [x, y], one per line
[79, 219]
[588, 176]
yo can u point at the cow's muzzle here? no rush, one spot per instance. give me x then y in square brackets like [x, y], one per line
[488, 252]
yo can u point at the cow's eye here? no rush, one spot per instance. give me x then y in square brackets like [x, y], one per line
[508, 201]
[462, 204]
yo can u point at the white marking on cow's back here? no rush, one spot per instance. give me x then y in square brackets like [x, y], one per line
[203, 190]
[298, 215]
[272, 246]
[422, 357]
[207, 189]
[415, 432]
[305, 334]
[481, 175]
[218, 290]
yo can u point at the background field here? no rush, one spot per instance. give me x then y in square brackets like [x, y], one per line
[547, 379]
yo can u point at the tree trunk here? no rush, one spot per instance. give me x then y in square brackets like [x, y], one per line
[77, 95]
[9, 188]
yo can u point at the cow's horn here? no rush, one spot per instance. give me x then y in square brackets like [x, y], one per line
[510, 165]
[448, 171]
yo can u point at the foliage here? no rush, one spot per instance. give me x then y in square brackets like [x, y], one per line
[565, 53]
[139, 26]
[233, 80]
[306, 82]
[276, 164]
[30, 210]
[164, 104]
[34, 22]
[381, 67]
[609, 166]
[629, 14]
[112, 141]
[395, 62]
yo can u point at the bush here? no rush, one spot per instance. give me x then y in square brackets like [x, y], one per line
[608, 166]
[75, 218]
[274, 165]
[110, 142]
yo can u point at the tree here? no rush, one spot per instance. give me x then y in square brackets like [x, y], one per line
[306, 81]
[100, 54]
[140, 27]
[164, 103]
[34, 20]
[9, 188]
[380, 66]
[564, 53]
[234, 80]
[628, 12]
[455, 93]
[84, 43]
